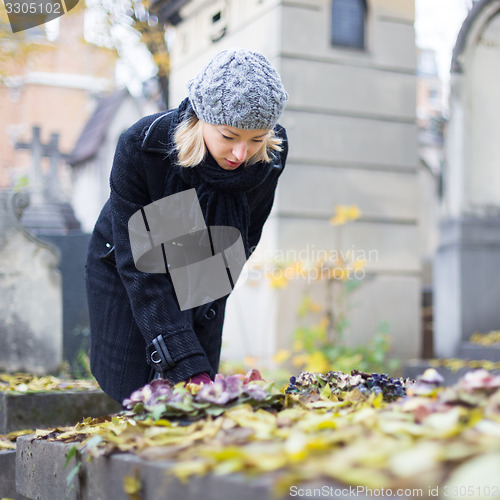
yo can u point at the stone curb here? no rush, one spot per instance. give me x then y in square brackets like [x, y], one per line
[52, 409]
[8, 474]
[414, 368]
[468, 350]
[44, 410]
[40, 475]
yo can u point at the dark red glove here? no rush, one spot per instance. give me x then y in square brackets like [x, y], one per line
[199, 378]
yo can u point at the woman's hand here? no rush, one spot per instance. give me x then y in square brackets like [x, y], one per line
[200, 378]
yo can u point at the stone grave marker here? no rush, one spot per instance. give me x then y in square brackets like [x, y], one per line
[34, 254]
[48, 212]
[51, 218]
[30, 294]
[466, 284]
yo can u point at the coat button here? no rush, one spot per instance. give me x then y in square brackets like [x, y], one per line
[210, 314]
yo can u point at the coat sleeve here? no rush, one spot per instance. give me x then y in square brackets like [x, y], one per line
[168, 331]
[264, 199]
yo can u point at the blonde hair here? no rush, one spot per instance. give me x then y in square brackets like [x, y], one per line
[191, 148]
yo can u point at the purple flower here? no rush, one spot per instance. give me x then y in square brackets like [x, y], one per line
[150, 394]
[215, 393]
[480, 379]
[255, 391]
[233, 386]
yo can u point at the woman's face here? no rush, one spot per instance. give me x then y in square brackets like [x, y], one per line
[229, 146]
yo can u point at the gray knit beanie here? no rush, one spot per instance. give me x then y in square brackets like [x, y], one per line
[239, 88]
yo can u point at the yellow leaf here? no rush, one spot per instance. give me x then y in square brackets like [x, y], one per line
[489, 428]
[281, 356]
[300, 360]
[132, 485]
[339, 216]
[353, 212]
[185, 469]
[354, 395]
[315, 307]
[317, 362]
[338, 273]
[377, 400]
[42, 432]
[486, 339]
[228, 467]
[293, 270]
[322, 327]
[327, 424]
[317, 444]
[415, 460]
[194, 388]
[359, 264]
[362, 476]
[250, 360]
[269, 462]
[378, 451]
[323, 403]
[7, 445]
[474, 476]
[344, 214]
[277, 280]
[260, 421]
[296, 446]
[327, 391]
[228, 453]
[444, 424]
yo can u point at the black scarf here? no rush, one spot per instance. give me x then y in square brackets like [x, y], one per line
[223, 194]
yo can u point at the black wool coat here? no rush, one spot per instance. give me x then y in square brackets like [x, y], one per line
[128, 309]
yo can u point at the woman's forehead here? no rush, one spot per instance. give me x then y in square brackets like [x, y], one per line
[236, 132]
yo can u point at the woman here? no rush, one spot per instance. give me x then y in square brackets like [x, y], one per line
[224, 142]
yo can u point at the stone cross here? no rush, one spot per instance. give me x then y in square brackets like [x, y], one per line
[43, 189]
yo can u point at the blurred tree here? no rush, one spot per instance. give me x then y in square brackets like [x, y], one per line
[135, 17]
[123, 20]
[15, 49]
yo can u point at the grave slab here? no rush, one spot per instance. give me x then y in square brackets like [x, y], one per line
[40, 475]
[40, 471]
[30, 285]
[468, 350]
[38, 410]
[414, 368]
[7, 475]
[51, 409]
